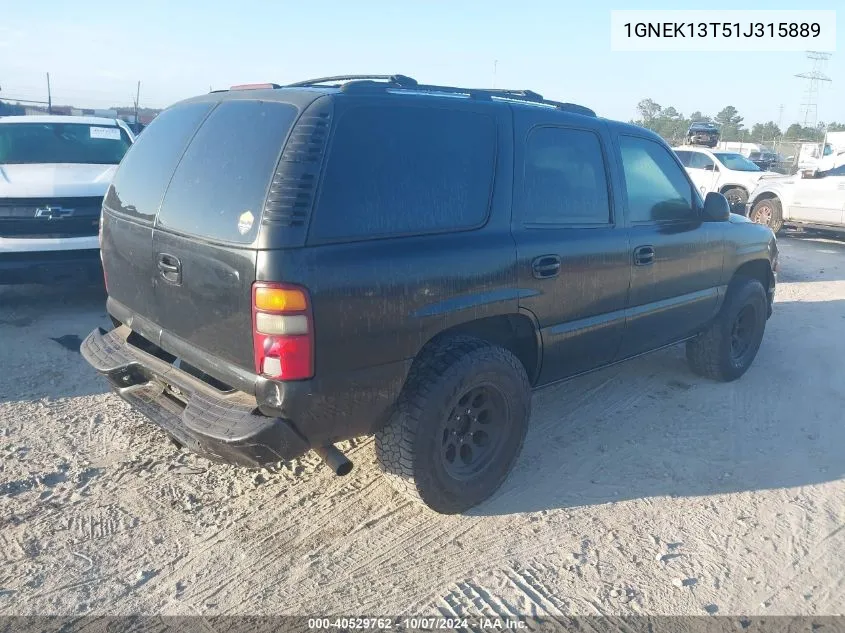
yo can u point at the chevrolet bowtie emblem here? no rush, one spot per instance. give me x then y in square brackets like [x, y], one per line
[53, 213]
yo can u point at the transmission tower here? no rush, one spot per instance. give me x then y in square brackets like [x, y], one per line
[810, 105]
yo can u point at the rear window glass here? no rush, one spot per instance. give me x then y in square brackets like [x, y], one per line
[219, 187]
[79, 143]
[146, 169]
[403, 169]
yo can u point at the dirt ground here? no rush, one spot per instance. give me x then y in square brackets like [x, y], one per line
[641, 489]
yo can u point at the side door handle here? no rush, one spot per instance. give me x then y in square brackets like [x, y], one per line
[170, 268]
[545, 266]
[644, 255]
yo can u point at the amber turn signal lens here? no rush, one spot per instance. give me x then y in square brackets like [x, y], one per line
[280, 299]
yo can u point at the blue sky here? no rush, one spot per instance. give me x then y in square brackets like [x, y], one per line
[96, 51]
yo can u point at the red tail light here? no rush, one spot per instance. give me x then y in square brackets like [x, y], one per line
[282, 331]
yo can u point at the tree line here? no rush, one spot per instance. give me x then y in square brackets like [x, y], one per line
[672, 125]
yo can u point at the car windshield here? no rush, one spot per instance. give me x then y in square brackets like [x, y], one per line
[30, 143]
[736, 162]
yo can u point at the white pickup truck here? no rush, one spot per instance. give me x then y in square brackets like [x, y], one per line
[54, 172]
[728, 173]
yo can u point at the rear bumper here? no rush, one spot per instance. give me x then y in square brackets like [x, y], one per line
[50, 267]
[222, 426]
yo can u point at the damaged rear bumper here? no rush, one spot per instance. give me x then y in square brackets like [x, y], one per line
[222, 426]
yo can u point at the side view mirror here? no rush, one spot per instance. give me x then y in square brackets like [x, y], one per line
[710, 167]
[716, 207]
[809, 173]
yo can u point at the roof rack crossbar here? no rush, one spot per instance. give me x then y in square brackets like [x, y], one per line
[399, 80]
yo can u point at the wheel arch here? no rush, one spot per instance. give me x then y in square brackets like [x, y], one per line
[518, 332]
[759, 269]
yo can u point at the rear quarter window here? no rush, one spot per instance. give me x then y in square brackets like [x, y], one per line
[219, 187]
[402, 170]
[140, 181]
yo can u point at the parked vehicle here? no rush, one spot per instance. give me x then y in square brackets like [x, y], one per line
[810, 198]
[730, 174]
[766, 160]
[703, 133]
[54, 171]
[290, 267]
[739, 147]
[823, 156]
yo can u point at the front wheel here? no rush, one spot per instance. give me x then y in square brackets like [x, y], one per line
[737, 197]
[727, 348]
[458, 426]
[768, 212]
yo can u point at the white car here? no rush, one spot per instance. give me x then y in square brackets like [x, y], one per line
[54, 172]
[809, 198]
[728, 173]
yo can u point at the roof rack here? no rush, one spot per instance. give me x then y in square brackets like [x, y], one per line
[399, 80]
[355, 83]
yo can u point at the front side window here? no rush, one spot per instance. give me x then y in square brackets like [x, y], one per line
[77, 143]
[656, 187]
[565, 180]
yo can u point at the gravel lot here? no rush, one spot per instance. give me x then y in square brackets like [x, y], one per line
[641, 489]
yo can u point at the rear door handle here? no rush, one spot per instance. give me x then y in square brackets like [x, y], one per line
[170, 268]
[644, 255]
[545, 266]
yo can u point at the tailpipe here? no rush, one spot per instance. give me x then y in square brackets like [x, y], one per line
[334, 459]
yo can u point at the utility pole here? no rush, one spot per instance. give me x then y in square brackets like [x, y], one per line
[780, 116]
[137, 97]
[49, 96]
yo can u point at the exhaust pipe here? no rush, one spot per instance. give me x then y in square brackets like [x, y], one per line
[334, 459]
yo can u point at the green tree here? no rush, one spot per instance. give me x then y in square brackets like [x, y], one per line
[649, 112]
[730, 124]
[836, 127]
[765, 132]
[797, 132]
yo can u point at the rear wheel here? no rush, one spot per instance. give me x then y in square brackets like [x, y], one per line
[737, 197]
[458, 427]
[727, 348]
[768, 212]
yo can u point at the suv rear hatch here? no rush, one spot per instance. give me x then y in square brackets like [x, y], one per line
[181, 229]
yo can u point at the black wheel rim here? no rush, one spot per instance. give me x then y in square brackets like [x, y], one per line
[473, 432]
[742, 332]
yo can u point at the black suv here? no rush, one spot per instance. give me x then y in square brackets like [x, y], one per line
[703, 133]
[290, 267]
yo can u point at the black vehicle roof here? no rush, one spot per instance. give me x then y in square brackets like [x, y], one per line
[302, 94]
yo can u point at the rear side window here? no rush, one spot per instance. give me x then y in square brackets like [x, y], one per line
[684, 157]
[403, 170]
[146, 169]
[219, 187]
[700, 161]
[565, 179]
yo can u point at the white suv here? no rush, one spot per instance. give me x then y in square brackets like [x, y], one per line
[54, 172]
[728, 173]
